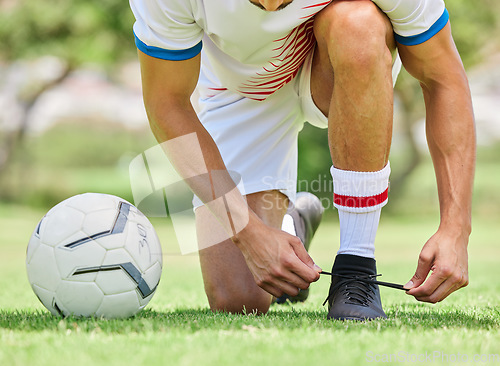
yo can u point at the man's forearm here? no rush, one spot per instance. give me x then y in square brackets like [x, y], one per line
[195, 156]
[452, 143]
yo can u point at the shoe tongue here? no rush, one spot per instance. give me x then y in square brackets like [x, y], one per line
[346, 264]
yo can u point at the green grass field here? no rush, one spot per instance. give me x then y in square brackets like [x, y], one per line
[178, 329]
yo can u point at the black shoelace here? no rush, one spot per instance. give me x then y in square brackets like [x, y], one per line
[362, 290]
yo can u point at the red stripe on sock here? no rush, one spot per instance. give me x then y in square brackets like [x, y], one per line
[360, 202]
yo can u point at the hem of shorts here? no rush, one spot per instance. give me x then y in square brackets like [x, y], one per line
[258, 187]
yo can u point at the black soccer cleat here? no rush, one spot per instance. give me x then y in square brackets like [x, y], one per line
[306, 214]
[353, 295]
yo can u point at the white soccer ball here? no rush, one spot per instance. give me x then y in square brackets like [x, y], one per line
[94, 255]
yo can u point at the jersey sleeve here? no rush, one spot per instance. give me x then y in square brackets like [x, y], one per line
[415, 21]
[166, 29]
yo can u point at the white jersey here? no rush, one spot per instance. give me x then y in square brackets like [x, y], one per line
[254, 52]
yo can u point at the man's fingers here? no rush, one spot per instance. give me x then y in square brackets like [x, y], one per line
[423, 268]
[305, 267]
[278, 287]
[433, 282]
[441, 293]
[458, 286]
[301, 252]
[293, 279]
[447, 282]
[271, 289]
[291, 275]
[302, 270]
[437, 277]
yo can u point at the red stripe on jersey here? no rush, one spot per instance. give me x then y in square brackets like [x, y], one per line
[285, 65]
[313, 6]
[320, 4]
[301, 32]
[360, 202]
[294, 66]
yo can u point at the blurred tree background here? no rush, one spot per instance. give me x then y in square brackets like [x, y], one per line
[75, 32]
[76, 154]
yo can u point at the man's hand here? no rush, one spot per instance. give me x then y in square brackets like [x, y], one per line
[280, 264]
[445, 254]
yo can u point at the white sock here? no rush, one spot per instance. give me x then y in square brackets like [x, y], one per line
[288, 226]
[359, 198]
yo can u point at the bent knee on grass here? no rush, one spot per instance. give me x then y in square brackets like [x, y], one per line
[249, 302]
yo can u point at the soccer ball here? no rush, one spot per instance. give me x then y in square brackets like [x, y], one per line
[94, 255]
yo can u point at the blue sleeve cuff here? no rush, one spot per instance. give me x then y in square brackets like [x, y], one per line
[172, 55]
[431, 32]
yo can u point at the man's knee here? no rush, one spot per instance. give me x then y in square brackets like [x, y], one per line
[356, 33]
[247, 302]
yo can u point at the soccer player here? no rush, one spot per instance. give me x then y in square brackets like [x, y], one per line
[263, 67]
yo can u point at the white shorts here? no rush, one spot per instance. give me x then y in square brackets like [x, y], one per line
[258, 139]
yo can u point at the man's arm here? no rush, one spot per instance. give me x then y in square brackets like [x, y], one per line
[278, 261]
[452, 144]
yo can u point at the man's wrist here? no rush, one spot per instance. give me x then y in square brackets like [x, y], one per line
[459, 227]
[456, 217]
[243, 236]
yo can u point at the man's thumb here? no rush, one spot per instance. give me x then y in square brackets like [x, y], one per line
[301, 252]
[419, 276]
